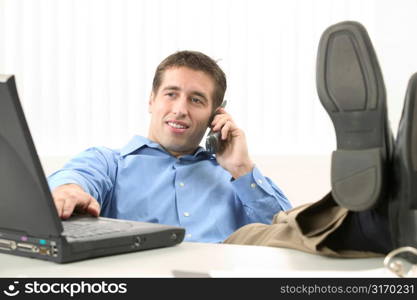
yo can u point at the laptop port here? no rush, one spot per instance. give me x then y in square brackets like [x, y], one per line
[7, 245]
[54, 251]
[27, 247]
[44, 250]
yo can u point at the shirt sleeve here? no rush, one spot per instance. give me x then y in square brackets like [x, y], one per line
[261, 198]
[94, 170]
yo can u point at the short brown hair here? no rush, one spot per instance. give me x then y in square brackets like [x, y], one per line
[196, 61]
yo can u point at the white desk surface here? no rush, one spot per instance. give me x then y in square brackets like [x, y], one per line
[199, 259]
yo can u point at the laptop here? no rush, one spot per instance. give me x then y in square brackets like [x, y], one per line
[29, 222]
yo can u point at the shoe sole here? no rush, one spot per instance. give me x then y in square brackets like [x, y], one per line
[351, 89]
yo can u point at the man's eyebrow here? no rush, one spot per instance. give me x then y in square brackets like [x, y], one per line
[171, 87]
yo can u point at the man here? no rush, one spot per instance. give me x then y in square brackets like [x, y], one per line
[372, 207]
[167, 178]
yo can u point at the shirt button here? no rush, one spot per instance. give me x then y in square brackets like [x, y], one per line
[189, 235]
[253, 185]
[186, 214]
[260, 181]
[182, 184]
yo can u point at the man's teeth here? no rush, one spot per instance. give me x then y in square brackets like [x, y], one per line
[176, 125]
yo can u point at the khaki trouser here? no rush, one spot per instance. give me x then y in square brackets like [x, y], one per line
[305, 228]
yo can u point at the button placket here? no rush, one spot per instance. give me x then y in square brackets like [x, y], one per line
[181, 190]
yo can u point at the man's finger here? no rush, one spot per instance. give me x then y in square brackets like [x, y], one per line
[59, 205]
[68, 208]
[220, 122]
[220, 113]
[225, 129]
[93, 207]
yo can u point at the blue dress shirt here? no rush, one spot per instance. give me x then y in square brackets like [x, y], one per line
[145, 183]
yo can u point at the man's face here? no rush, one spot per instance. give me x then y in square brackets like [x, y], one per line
[181, 109]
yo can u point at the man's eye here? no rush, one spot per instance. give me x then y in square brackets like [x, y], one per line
[170, 94]
[196, 100]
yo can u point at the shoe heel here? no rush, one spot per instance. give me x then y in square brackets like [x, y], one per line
[357, 177]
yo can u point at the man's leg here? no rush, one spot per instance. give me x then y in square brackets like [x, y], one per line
[373, 192]
[362, 231]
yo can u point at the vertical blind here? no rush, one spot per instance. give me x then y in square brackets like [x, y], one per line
[84, 67]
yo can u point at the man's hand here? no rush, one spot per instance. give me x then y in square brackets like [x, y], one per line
[71, 197]
[233, 155]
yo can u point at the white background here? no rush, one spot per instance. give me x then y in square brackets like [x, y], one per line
[84, 68]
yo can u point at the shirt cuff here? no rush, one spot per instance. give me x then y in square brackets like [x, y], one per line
[252, 185]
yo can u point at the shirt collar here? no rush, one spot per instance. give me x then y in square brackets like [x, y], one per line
[138, 142]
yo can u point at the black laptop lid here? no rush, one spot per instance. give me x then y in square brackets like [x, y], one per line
[26, 203]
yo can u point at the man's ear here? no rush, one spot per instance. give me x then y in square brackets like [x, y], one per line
[151, 100]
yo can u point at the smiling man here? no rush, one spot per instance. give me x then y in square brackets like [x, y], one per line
[180, 110]
[167, 177]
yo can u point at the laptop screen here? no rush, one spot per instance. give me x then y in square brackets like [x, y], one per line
[26, 203]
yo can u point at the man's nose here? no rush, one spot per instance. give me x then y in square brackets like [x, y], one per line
[180, 107]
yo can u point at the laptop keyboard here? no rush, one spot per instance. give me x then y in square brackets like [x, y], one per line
[92, 227]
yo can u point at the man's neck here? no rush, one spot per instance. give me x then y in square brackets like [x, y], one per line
[174, 153]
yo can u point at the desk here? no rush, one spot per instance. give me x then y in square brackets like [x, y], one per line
[199, 259]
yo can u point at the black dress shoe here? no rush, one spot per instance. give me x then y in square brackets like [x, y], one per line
[403, 205]
[351, 88]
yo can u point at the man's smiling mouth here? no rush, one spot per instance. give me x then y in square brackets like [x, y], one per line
[177, 125]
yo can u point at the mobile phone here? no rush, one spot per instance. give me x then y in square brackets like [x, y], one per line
[213, 139]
